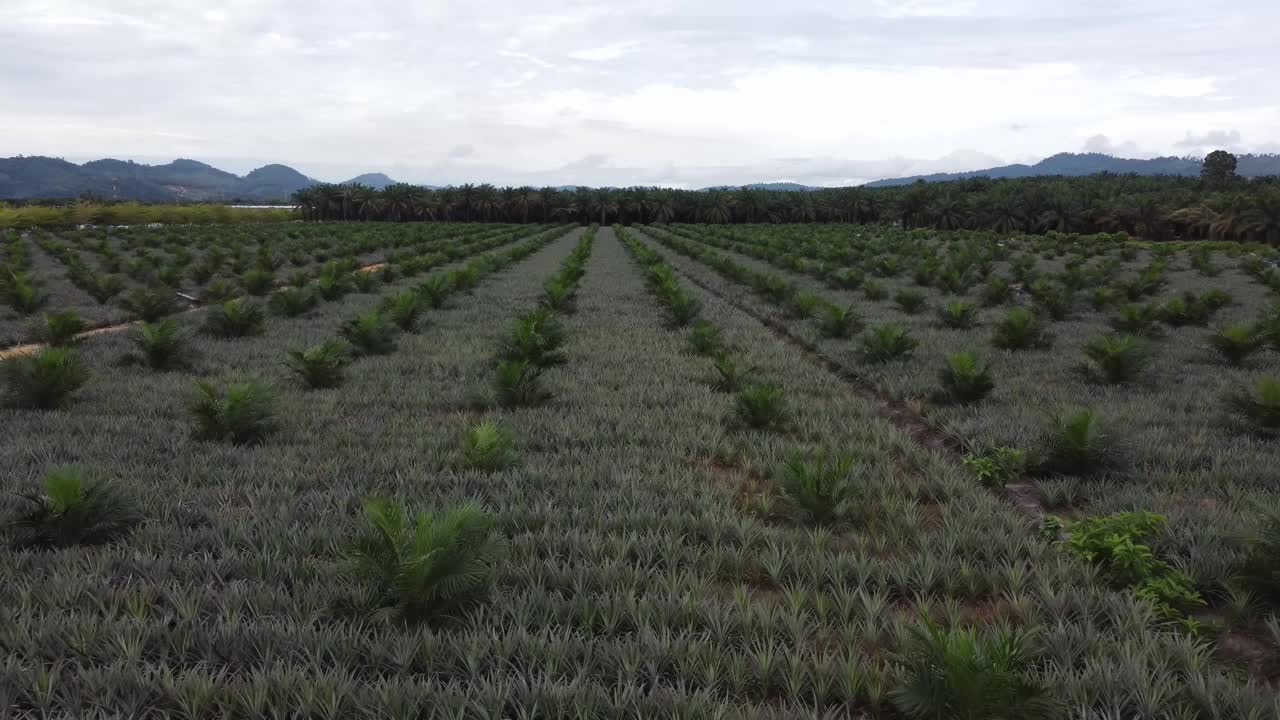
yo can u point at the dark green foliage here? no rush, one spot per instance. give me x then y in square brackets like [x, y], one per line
[293, 301]
[1141, 320]
[370, 333]
[958, 674]
[706, 339]
[910, 300]
[403, 309]
[818, 487]
[1260, 571]
[60, 328]
[427, 565]
[760, 407]
[365, 281]
[236, 318]
[488, 447]
[1235, 343]
[72, 511]
[1079, 444]
[996, 291]
[997, 466]
[1258, 406]
[1117, 544]
[257, 281]
[435, 290]
[732, 377]
[149, 303]
[874, 290]
[1021, 329]
[240, 413]
[1052, 299]
[1114, 359]
[965, 378]
[1187, 309]
[46, 380]
[883, 343]
[160, 346]
[322, 366]
[959, 314]
[839, 322]
[519, 383]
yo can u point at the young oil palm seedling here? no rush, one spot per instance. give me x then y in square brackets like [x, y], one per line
[1021, 329]
[403, 309]
[818, 487]
[1235, 343]
[71, 511]
[519, 383]
[883, 343]
[160, 346]
[1114, 359]
[965, 378]
[1052, 299]
[959, 314]
[46, 380]
[839, 322]
[149, 303]
[874, 291]
[322, 366]
[435, 290]
[1079, 444]
[557, 294]
[257, 281]
[21, 293]
[802, 304]
[236, 318]
[366, 281]
[536, 338]
[996, 291]
[241, 413]
[997, 466]
[428, 565]
[1258, 406]
[1260, 571]
[1186, 309]
[683, 306]
[910, 300]
[730, 376]
[104, 287]
[1141, 320]
[706, 339]
[959, 674]
[293, 301]
[760, 407]
[60, 328]
[488, 447]
[370, 333]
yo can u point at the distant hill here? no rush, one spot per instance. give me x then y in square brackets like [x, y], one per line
[373, 180]
[774, 186]
[180, 180]
[1078, 164]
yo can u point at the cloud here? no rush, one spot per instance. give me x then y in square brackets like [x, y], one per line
[1103, 144]
[1228, 139]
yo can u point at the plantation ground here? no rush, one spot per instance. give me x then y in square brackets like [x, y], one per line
[652, 567]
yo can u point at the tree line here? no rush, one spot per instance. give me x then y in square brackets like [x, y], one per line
[1221, 207]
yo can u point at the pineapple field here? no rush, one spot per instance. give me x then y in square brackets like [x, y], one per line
[475, 470]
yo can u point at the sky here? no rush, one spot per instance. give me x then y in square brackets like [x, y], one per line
[635, 92]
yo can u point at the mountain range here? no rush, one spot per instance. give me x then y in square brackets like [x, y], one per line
[36, 177]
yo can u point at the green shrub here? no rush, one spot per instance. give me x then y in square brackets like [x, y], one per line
[105, 287]
[70, 512]
[365, 281]
[839, 322]
[996, 291]
[403, 309]
[60, 328]
[235, 318]
[910, 300]
[435, 290]
[684, 307]
[160, 346]
[818, 487]
[1188, 309]
[732, 377]
[370, 333]
[964, 378]
[1258, 406]
[760, 407]
[149, 303]
[1052, 298]
[874, 291]
[1021, 329]
[958, 314]
[488, 447]
[802, 304]
[21, 293]
[241, 413]
[1116, 544]
[428, 565]
[1260, 571]
[332, 283]
[322, 366]
[957, 674]
[257, 281]
[535, 338]
[883, 343]
[997, 466]
[706, 339]
[1114, 359]
[293, 301]
[557, 294]
[46, 380]
[1235, 343]
[518, 383]
[1079, 444]
[1141, 320]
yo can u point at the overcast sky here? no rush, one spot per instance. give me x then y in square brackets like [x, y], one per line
[624, 92]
